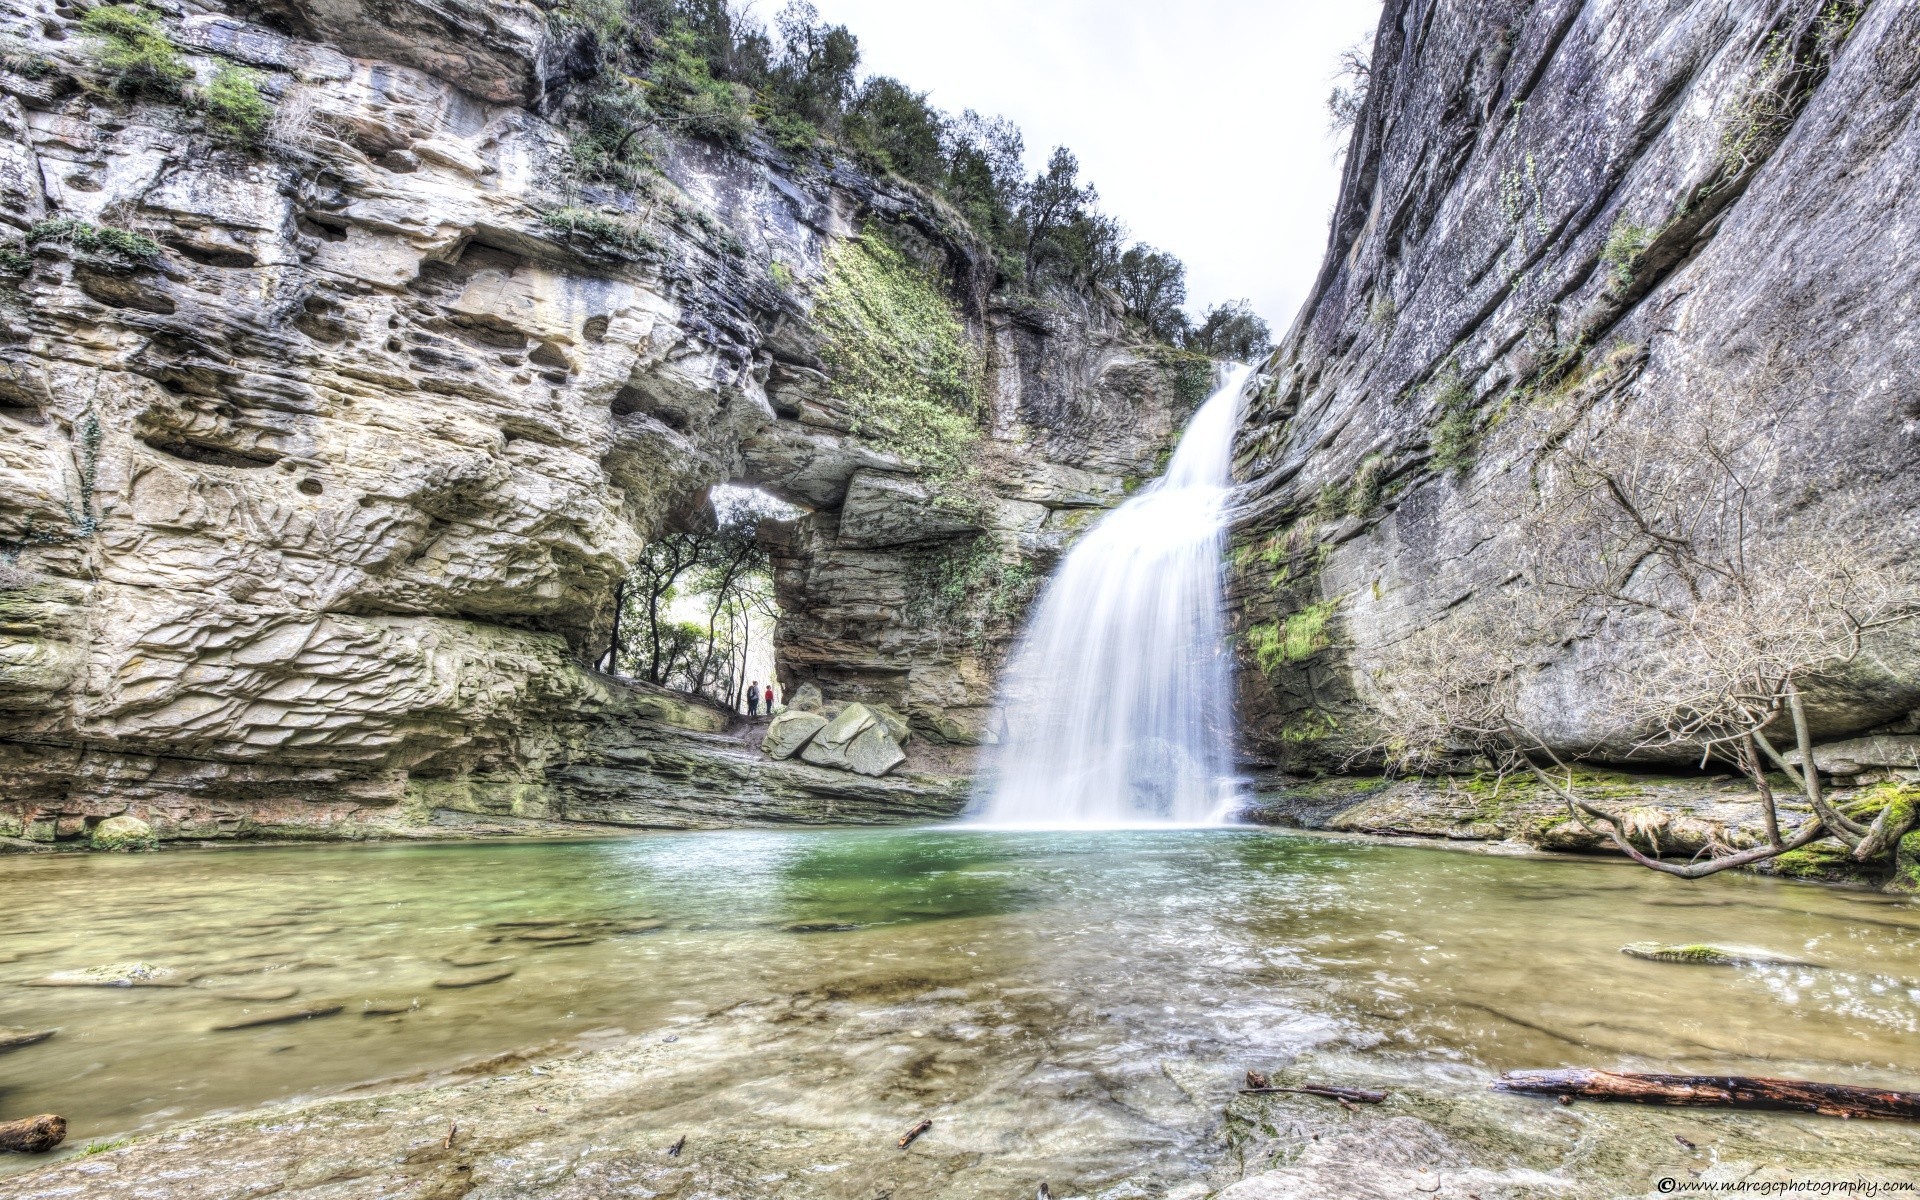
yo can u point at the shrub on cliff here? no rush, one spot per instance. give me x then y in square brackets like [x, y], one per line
[237, 112]
[133, 54]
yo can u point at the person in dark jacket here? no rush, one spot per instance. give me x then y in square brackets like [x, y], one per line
[753, 698]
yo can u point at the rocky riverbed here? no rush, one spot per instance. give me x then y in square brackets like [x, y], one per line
[553, 1020]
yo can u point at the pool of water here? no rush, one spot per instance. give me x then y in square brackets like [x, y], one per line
[1113, 984]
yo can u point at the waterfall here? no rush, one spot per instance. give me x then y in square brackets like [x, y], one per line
[1117, 706]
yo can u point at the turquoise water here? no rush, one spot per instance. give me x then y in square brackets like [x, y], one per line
[1113, 982]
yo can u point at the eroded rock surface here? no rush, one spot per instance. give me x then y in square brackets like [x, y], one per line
[313, 517]
[1622, 210]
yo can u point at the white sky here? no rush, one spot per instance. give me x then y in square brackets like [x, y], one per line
[1203, 123]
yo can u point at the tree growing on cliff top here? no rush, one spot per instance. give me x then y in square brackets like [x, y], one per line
[1645, 532]
[1232, 330]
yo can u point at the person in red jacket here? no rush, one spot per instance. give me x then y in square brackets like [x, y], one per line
[769, 699]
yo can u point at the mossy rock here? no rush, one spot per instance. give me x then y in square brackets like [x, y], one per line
[1825, 862]
[1703, 955]
[124, 834]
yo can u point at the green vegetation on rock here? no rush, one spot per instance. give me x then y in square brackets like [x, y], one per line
[101, 245]
[1453, 435]
[620, 235]
[1297, 636]
[902, 365]
[133, 54]
[1626, 243]
[237, 112]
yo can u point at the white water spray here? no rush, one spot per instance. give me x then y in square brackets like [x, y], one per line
[1117, 707]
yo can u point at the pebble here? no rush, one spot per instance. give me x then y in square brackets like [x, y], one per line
[281, 1016]
[473, 978]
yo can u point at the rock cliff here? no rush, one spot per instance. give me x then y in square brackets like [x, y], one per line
[320, 460]
[1570, 218]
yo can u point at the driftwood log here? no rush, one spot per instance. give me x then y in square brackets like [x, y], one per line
[31, 1135]
[915, 1132]
[1725, 1091]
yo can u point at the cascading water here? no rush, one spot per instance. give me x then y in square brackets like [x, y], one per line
[1117, 707]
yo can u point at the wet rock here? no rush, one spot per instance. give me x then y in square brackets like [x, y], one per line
[125, 834]
[791, 731]
[473, 978]
[127, 974]
[388, 1008]
[13, 1039]
[548, 935]
[1700, 954]
[257, 995]
[280, 1016]
[478, 959]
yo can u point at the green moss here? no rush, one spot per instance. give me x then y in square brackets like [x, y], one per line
[970, 588]
[902, 366]
[101, 245]
[132, 52]
[1626, 243]
[237, 112]
[1906, 865]
[1824, 861]
[14, 260]
[1296, 637]
[782, 274]
[612, 233]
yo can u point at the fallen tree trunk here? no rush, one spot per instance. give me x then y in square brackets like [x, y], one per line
[31, 1135]
[1725, 1091]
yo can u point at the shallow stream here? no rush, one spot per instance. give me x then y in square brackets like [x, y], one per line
[1082, 1002]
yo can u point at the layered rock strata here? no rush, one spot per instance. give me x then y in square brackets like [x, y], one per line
[319, 461]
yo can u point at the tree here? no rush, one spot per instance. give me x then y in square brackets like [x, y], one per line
[1231, 330]
[1646, 531]
[895, 129]
[1051, 204]
[1153, 285]
[688, 609]
[1350, 85]
[814, 72]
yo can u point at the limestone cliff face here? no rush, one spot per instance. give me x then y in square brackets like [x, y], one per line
[1617, 212]
[320, 507]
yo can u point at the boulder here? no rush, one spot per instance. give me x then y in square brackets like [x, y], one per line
[829, 746]
[895, 723]
[791, 731]
[1856, 755]
[124, 833]
[807, 698]
[875, 751]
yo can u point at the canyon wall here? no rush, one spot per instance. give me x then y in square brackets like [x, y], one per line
[320, 459]
[1586, 219]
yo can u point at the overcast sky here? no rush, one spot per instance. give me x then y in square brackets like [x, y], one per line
[1204, 124]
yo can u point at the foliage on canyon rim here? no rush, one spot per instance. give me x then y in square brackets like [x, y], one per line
[710, 69]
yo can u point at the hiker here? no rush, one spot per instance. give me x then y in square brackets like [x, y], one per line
[753, 698]
[769, 699]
